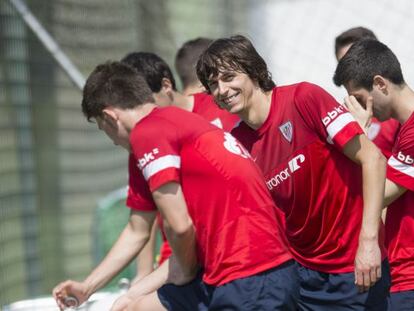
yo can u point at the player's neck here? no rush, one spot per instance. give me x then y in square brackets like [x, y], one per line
[193, 89]
[403, 104]
[258, 109]
[131, 117]
[183, 102]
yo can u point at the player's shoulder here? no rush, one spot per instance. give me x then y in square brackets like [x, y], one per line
[306, 89]
[159, 119]
[169, 114]
[202, 96]
[406, 133]
[408, 125]
[203, 101]
[298, 92]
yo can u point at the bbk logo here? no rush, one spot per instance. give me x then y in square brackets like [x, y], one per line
[406, 159]
[293, 165]
[332, 115]
[148, 157]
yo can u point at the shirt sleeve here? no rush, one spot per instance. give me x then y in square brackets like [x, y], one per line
[156, 147]
[400, 166]
[139, 196]
[323, 114]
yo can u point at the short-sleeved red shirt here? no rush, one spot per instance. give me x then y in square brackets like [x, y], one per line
[299, 149]
[237, 228]
[399, 223]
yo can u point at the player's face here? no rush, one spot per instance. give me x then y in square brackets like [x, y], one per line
[232, 90]
[380, 106]
[114, 130]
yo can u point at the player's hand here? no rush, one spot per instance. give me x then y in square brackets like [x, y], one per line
[177, 275]
[121, 303]
[363, 115]
[67, 289]
[367, 264]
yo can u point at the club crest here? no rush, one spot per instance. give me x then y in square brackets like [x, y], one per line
[287, 130]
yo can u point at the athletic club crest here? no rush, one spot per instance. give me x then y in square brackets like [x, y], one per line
[287, 130]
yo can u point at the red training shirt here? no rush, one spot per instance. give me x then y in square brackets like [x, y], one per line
[383, 135]
[299, 149]
[399, 223]
[205, 106]
[237, 229]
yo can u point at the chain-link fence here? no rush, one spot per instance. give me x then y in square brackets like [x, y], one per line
[54, 166]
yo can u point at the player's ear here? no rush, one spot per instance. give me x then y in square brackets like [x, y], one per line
[110, 116]
[381, 84]
[166, 86]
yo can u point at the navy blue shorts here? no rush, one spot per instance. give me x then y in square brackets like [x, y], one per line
[402, 301]
[192, 296]
[274, 289]
[337, 291]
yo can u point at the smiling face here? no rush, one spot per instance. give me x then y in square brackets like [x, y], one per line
[232, 90]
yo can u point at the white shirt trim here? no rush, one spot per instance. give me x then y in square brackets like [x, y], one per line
[401, 167]
[338, 124]
[160, 164]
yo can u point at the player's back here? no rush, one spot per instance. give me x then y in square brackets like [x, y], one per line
[237, 228]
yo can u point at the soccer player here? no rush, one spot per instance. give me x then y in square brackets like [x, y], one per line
[325, 175]
[162, 83]
[185, 64]
[383, 134]
[373, 78]
[344, 40]
[195, 174]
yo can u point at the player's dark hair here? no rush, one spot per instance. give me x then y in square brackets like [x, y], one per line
[114, 84]
[364, 60]
[236, 53]
[152, 67]
[187, 57]
[353, 35]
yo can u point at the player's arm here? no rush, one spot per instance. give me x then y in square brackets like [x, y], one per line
[128, 245]
[178, 226]
[368, 258]
[145, 259]
[167, 272]
[392, 192]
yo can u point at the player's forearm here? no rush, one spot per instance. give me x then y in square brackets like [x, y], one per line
[150, 282]
[392, 192]
[124, 250]
[373, 171]
[145, 259]
[183, 243]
